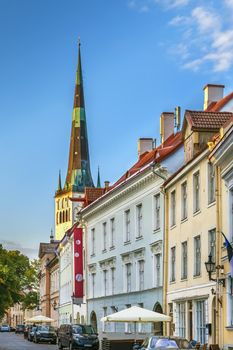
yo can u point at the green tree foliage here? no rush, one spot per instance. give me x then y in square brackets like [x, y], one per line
[18, 278]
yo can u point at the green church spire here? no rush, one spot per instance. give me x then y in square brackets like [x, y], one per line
[98, 179]
[79, 173]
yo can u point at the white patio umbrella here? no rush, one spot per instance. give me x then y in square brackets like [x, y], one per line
[40, 319]
[136, 314]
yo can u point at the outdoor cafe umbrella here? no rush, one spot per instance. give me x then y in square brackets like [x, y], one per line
[136, 314]
[40, 319]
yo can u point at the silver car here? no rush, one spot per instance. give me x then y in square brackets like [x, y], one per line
[5, 328]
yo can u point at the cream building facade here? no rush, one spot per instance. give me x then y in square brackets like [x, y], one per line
[192, 229]
[222, 157]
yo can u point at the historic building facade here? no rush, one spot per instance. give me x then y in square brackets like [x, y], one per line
[192, 230]
[221, 156]
[124, 235]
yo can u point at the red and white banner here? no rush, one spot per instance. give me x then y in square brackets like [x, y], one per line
[78, 265]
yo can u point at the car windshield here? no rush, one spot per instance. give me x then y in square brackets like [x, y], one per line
[80, 329]
[46, 328]
[163, 343]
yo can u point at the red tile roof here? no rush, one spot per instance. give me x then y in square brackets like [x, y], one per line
[207, 120]
[217, 106]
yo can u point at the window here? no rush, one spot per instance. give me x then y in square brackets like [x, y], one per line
[173, 208]
[230, 301]
[157, 259]
[104, 236]
[141, 328]
[105, 314]
[181, 319]
[196, 192]
[200, 321]
[128, 277]
[93, 241]
[127, 226]
[112, 280]
[112, 227]
[157, 211]
[128, 325]
[93, 284]
[184, 211]
[173, 264]
[231, 214]
[197, 256]
[141, 274]
[184, 262]
[105, 275]
[113, 324]
[139, 221]
[211, 183]
[212, 244]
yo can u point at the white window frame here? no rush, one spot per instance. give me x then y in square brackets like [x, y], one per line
[211, 183]
[181, 312]
[157, 211]
[196, 192]
[173, 208]
[184, 201]
[112, 230]
[229, 298]
[184, 260]
[157, 270]
[113, 270]
[105, 282]
[212, 243]
[173, 264]
[139, 218]
[141, 274]
[128, 277]
[104, 227]
[127, 218]
[197, 256]
[93, 241]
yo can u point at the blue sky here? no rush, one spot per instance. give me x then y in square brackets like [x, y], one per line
[140, 58]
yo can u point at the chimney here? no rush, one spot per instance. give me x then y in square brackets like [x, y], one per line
[145, 144]
[212, 93]
[106, 184]
[166, 125]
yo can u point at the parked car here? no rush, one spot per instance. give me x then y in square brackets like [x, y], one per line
[77, 336]
[5, 328]
[161, 343]
[45, 334]
[31, 332]
[19, 328]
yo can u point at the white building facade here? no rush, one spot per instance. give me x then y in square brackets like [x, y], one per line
[124, 252]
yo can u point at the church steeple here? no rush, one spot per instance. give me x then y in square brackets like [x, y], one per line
[59, 187]
[79, 173]
[98, 179]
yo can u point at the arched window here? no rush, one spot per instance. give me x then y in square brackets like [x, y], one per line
[93, 320]
[60, 217]
[57, 219]
[64, 216]
[157, 327]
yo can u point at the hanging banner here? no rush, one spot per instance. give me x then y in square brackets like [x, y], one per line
[78, 265]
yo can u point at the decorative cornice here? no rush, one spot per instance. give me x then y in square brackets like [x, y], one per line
[120, 193]
[156, 247]
[108, 263]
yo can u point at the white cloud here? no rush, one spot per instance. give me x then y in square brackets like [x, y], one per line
[204, 39]
[229, 3]
[32, 253]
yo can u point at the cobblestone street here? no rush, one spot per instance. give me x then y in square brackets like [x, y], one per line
[11, 341]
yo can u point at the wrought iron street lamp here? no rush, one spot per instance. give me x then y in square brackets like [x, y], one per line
[211, 267]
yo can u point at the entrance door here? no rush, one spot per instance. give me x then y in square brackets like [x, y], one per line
[158, 326]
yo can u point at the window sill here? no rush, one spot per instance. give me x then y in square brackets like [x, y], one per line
[184, 220]
[139, 238]
[93, 255]
[112, 248]
[197, 212]
[127, 242]
[156, 230]
[104, 251]
[229, 328]
[197, 276]
[172, 227]
[184, 279]
[173, 282]
[209, 205]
